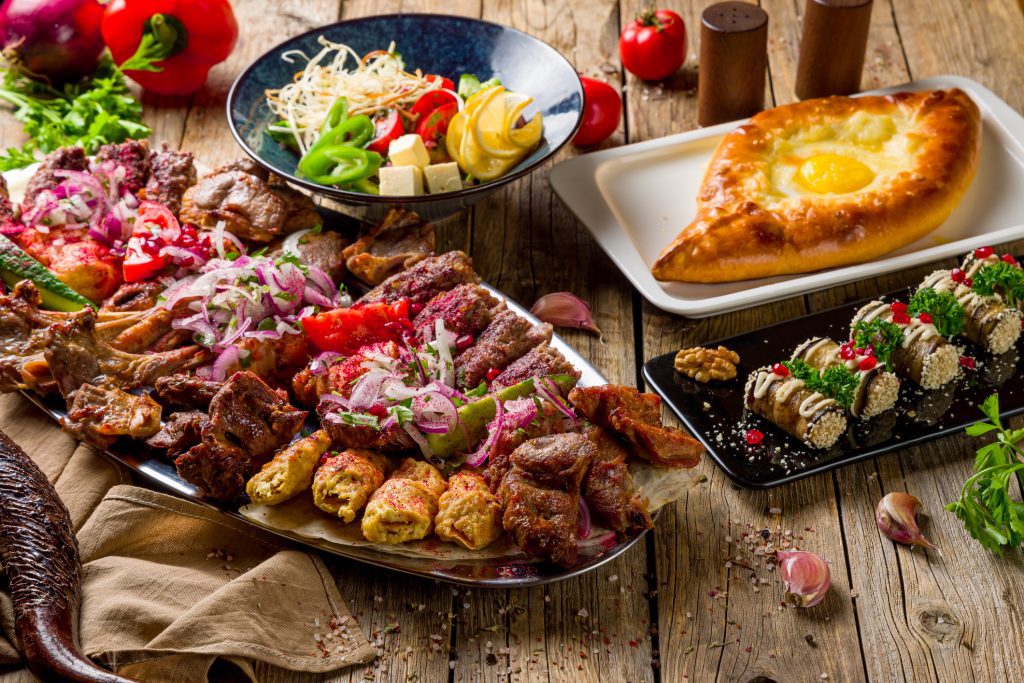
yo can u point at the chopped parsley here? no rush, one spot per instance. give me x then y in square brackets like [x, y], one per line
[881, 335]
[946, 312]
[838, 382]
[351, 419]
[1001, 278]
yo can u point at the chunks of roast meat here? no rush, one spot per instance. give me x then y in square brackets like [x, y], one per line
[549, 420]
[186, 391]
[542, 495]
[100, 415]
[508, 337]
[124, 164]
[248, 422]
[425, 280]
[45, 178]
[540, 361]
[397, 243]
[325, 250]
[251, 207]
[636, 418]
[608, 486]
[464, 310]
[180, 432]
[170, 174]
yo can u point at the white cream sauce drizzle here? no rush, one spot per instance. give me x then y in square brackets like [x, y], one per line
[912, 331]
[813, 403]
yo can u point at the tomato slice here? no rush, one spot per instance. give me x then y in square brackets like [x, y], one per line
[433, 127]
[387, 127]
[446, 83]
[430, 101]
[346, 330]
[142, 259]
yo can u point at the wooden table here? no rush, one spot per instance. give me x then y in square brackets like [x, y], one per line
[681, 605]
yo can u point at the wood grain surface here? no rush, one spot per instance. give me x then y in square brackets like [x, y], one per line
[696, 601]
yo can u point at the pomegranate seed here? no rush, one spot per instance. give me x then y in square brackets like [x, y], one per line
[957, 275]
[968, 282]
[754, 437]
[984, 252]
[492, 374]
[925, 318]
[901, 318]
[898, 307]
[415, 308]
[378, 411]
[1008, 258]
[967, 362]
[780, 369]
[846, 351]
[867, 363]
[464, 342]
[860, 352]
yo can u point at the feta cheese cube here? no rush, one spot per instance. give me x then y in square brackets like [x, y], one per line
[408, 150]
[443, 177]
[400, 181]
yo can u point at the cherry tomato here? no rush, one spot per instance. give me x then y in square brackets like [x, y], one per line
[346, 330]
[602, 109]
[653, 46]
[446, 83]
[155, 227]
[434, 125]
[386, 127]
[429, 101]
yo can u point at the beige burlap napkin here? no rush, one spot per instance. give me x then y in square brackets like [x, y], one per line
[169, 586]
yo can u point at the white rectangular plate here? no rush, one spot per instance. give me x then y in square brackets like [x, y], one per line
[635, 199]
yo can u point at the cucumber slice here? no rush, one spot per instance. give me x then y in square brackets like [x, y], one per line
[16, 265]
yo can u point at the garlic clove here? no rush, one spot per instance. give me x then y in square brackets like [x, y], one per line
[563, 309]
[806, 577]
[896, 517]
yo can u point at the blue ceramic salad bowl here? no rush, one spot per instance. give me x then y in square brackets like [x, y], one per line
[435, 44]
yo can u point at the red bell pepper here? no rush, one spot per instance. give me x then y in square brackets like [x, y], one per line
[346, 330]
[169, 46]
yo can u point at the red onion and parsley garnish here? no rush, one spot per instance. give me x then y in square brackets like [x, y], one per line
[236, 296]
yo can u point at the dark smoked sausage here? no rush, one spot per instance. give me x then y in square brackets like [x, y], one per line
[40, 555]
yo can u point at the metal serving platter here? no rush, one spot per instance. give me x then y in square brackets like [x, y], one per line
[502, 573]
[716, 414]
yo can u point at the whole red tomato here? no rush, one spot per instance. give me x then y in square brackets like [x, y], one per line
[653, 46]
[602, 109]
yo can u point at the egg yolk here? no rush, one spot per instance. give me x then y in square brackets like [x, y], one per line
[834, 173]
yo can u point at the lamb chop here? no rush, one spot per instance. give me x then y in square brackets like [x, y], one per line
[248, 422]
[180, 432]
[99, 415]
[187, 391]
[77, 355]
[542, 495]
[133, 296]
[636, 417]
[397, 243]
[425, 280]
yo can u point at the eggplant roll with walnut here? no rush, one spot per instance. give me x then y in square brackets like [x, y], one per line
[988, 321]
[404, 507]
[924, 357]
[786, 402]
[877, 390]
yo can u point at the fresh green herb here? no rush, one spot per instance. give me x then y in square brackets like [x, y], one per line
[1001, 278]
[838, 382]
[478, 391]
[358, 419]
[984, 506]
[402, 413]
[88, 114]
[883, 336]
[946, 312]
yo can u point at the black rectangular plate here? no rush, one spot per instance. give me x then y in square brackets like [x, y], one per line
[716, 415]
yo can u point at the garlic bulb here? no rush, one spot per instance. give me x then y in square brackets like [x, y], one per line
[806, 576]
[896, 516]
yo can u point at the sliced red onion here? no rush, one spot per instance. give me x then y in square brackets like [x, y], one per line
[547, 388]
[480, 456]
[227, 358]
[583, 527]
[435, 413]
[446, 373]
[322, 362]
[314, 297]
[290, 245]
[420, 440]
[322, 280]
[367, 390]
[335, 398]
[387, 424]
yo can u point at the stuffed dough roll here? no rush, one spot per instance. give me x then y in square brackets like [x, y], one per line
[877, 390]
[786, 402]
[404, 507]
[289, 472]
[924, 356]
[346, 480]
[468, 513]
[987, 320]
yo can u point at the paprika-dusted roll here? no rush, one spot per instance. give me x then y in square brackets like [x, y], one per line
[786, 402]
[346, 480]
[914, 348]
[404, 507]
[877, 389]
[468, 513]
[986, 320]
[290, 470]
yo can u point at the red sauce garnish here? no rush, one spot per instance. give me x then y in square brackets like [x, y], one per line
[492, 374]
[925, 318]
[867, 363]
[754, 437]
[1008, 258]
[984, 252]
[780, 370]
[967, 362]
[957, 275]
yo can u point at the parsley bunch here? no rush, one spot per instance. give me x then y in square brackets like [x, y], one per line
[837, 382]
[89, 113]
[883, 336]
[985, 507]
[946, 312]
[1000, 278]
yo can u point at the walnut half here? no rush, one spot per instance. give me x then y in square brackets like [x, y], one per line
[705, 365]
